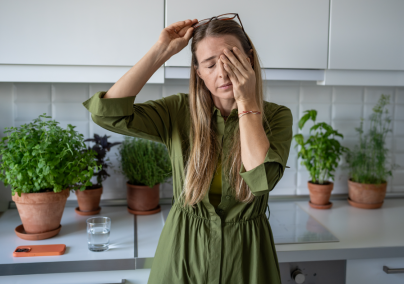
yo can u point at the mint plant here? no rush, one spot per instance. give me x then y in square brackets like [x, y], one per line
[41, 156]
[321, 152]
[144, 162]
[368, 161]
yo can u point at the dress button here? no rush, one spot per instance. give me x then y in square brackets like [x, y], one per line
[228, 197]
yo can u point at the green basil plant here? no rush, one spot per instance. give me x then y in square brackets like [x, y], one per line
[41, 156]
[321, 152]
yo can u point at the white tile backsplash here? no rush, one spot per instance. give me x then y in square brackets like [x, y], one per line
[314, 94]
[398, 179]
[399, 159]
[398, 128]
[348, 95]
[352, 111]
[283, 94]
[399, 112]
[28, 111]
[340, 106]
[398, 143]
[32, 92]
[372, 94]
[69, 93]
[69, 111]
[399, 96]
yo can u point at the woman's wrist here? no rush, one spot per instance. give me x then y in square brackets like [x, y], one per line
[247, 105]
[163, 50]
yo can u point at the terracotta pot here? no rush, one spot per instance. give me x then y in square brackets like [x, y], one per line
[41, 212]
[142, 197]
[367, 193]
[89, 199]
[320, 193]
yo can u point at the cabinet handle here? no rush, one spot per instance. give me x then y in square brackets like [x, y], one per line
[392, 270]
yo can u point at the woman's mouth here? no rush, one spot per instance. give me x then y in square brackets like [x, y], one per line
[226, 87]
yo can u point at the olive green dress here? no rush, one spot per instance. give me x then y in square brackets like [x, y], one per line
[232, 243]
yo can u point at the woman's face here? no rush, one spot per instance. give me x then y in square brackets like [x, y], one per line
[211, 69]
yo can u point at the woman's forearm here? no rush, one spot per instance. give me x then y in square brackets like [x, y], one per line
[254, 142]
[134, 80]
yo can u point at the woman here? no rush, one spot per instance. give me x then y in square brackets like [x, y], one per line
[217, 230]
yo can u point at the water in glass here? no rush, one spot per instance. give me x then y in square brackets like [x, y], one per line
[98, 230]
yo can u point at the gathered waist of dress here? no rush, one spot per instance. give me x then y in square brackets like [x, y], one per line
[193, 215]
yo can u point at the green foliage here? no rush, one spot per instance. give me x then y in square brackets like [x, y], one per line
[321, 152]
[41, 156]
[144, 162]
[368, 161]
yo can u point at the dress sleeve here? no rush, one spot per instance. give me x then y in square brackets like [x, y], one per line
[263, 178]
[152, 120]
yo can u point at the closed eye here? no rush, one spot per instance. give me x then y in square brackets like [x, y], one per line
[211, 66]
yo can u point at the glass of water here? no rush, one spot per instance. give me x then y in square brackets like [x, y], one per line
[98, 229]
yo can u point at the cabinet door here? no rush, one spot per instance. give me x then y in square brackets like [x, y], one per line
[76, 32]
[367, 35]
[370, 271]
[286, 34]
[138, 276]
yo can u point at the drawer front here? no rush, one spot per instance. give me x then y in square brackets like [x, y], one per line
[370, 271]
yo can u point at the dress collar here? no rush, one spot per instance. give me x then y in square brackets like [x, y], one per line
[217, 112]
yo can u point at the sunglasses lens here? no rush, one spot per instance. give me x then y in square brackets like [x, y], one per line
[200, 23]
[223, 17]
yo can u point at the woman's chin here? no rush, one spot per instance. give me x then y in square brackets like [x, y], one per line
[225, 95]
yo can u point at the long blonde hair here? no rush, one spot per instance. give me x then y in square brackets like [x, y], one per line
[202, 159]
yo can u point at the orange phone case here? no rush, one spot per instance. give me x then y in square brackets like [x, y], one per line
[39, 250]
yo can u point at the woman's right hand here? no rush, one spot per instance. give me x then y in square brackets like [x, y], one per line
[176, 36]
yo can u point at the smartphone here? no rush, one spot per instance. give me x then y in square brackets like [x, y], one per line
[39, 250]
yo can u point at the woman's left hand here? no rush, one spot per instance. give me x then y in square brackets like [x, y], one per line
[241, 75]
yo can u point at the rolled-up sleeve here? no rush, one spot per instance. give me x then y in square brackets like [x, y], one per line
[152, 120]
[263, 178]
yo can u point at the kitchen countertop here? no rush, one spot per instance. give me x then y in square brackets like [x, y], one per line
[377, 233]
[77, 258]
[362, 233]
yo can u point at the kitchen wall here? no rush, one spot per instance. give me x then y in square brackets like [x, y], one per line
[341, 106]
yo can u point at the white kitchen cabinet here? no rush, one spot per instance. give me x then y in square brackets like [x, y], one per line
[370, 271]
[366, 35]
[286, 34]
[76, 41]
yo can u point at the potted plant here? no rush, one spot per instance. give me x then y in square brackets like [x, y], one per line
[145, 164]
[320, 154]
[368, 163]
[89, 197]
[41, 161]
